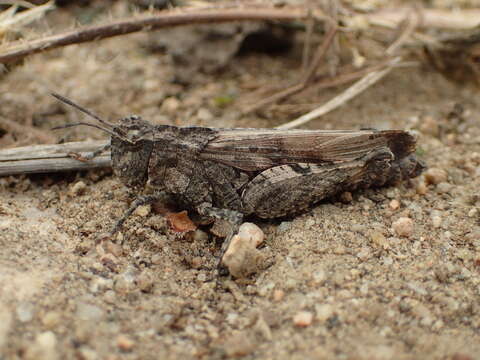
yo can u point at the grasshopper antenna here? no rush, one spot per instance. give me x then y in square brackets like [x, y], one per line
[86, 124]
[82, 109]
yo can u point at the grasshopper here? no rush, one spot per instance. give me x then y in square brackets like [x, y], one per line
[229, 174]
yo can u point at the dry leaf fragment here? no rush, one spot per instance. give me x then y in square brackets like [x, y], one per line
[180, 222]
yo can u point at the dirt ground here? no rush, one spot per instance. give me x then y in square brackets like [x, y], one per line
[343, 282]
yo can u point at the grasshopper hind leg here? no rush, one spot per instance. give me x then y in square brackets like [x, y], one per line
[287, 190]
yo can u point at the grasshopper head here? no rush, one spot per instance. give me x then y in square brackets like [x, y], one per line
[131, 143]
[131, 150]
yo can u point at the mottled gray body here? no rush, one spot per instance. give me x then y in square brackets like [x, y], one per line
[230, 173]
[267, 173]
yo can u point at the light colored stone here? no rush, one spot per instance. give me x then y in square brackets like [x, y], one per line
[25, 311]
[403, 227]
[394, 204]
[435, 176]
[51, 319]
[143, 210]
[242, 258]
[324, 312]
[278, 295]
[124, 343]
[303, 319]
[78, 189]
[436, 221]
[421, 188]
[43, 348]
[170, 105]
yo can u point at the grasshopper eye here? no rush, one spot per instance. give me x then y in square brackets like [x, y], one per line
[133, 135]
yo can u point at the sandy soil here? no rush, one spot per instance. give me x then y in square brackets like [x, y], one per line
[343, 284]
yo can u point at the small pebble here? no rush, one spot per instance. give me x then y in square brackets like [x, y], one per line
[303, 319]
[473, 212]
[436, 221]
[421, 188]
[51, 319]
[145, 282]
[85, 353]
[242, 258]
[196, 262]
[43, 348]
[403, 227]
[379, 239]
[110, 297]
[435, 176]
[394, 204]
[143, 210]
[78, 189]
[170, 105]
[124, 343]
[25, 311]
[324, 312]
[278, 295]
[319, 277]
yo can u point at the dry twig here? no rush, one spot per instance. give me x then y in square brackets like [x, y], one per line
[307, 79]
[339, 100]
[164, 19]
[368, 80]
[50, 158]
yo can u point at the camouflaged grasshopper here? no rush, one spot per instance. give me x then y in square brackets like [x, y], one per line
[232, 173]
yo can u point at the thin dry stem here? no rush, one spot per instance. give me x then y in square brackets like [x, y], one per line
[308, 39]
[306, 80]
[341, 99]
[361, 85]
[51, 158]
[164, 19]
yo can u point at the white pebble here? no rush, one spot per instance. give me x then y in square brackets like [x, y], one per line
[435, 176]
[303, 319]
[394, 204]
[436, 221]
[44, 347]
[324, 312]
[403, 227]
[78, 188]
[241, 257]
